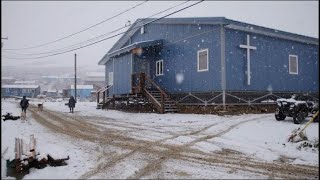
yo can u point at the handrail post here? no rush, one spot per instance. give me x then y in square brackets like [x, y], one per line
[113, 101]
[104, 96]
[142, 82]
[98, 97]
[132, 82]
[162, 103]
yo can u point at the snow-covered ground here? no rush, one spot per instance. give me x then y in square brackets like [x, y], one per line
[115, 144]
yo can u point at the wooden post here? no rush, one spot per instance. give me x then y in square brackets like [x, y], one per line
[113, 101]
[98, 97]
[75, 77]
[32, 147]
[162, 103]
[104, 96]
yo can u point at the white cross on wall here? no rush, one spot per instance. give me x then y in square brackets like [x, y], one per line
[248, 47]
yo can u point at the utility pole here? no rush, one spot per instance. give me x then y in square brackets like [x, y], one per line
[2, 42]
[75, 76]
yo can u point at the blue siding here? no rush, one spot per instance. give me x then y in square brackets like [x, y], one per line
[122, 74]
[20, 92]
[270, 64]
[180, 56]
[82, 93]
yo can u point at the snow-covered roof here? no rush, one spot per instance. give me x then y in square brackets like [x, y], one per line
[7, 78]
[20, 86]
[24, 82]
[52, 90]
[83, 86]
[95, 74]
[60, 77]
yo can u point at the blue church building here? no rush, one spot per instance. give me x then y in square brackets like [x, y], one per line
[211, 61]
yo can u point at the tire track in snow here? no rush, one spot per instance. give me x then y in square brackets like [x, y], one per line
[175, 153]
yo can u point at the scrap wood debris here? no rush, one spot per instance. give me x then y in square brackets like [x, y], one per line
[26, 158]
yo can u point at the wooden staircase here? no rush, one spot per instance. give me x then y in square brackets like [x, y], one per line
[169, 106]
[158, 97]
[105, 97]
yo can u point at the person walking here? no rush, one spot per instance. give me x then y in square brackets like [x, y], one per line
[24, 103]
[72, 103]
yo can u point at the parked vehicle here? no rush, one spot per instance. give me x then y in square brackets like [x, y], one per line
[298, 110]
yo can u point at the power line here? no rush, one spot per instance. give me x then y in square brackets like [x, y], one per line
[94, 38]
[111, 36]
[32, 47]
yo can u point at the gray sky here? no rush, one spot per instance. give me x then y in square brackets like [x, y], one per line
[36, 22]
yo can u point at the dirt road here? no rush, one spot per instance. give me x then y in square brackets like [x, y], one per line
[153, 154]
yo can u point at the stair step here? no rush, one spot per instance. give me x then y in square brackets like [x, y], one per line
[171, 110]
[170, 107]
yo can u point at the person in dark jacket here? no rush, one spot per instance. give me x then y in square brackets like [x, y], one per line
[24, 103]
[72, 103]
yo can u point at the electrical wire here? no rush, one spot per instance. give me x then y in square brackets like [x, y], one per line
[68, 36]
[94, 38]
[110, 36]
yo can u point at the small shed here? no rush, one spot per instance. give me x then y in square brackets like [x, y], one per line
[83, 91]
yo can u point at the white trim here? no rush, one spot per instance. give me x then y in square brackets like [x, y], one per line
[291, 55]
[199, 51]
[159, 70]
[142, 30]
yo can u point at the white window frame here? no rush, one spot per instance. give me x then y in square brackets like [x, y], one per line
[110, 80]
[198, 65]
[290, 72]
[159, 70]
[142, 30]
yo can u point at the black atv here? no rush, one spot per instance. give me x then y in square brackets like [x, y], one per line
[299, 110]
[313, 108]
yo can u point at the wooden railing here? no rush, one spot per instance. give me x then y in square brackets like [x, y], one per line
[141, 83]
[105, 92]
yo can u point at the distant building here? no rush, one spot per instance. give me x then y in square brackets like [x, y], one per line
[83, 91]
[95, 78]
[25, 82]
[20, 90]
[52, 92]
[7, 80]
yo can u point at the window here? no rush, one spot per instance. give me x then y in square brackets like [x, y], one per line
[203, 64]
[110, 80]
[293, 64]
[159, 67]
[142, 30]
[7, 90]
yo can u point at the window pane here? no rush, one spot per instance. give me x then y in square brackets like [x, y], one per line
[161, 67]
[203, 61]
[293, 64]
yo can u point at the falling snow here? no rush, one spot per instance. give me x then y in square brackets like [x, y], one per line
[179, 78]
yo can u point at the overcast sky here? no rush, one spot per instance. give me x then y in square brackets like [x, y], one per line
[37, 22]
